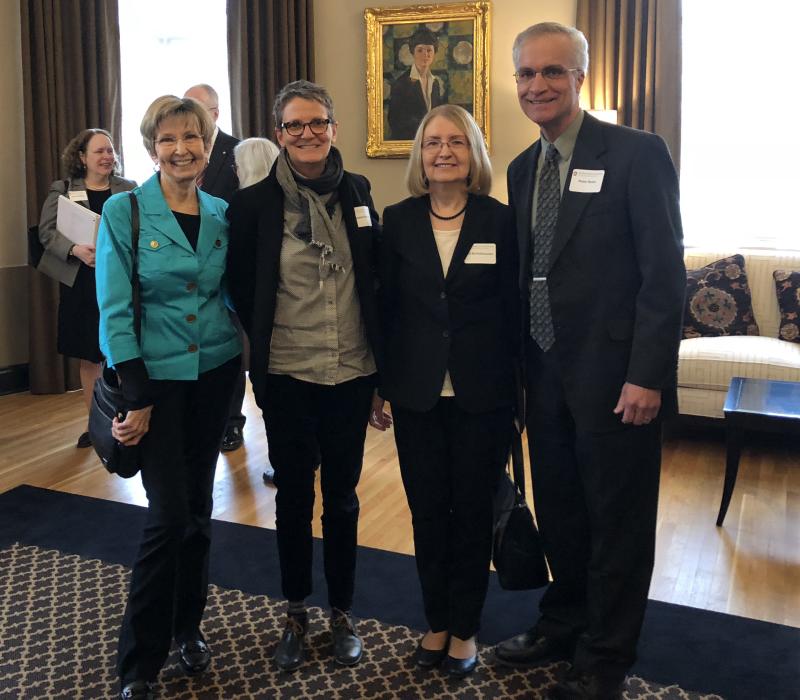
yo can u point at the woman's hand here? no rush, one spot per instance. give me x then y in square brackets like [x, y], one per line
[136, 424]
[378, 418]
[84, 253]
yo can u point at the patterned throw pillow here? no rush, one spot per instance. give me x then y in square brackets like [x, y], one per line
[787, 286]
[718, 300]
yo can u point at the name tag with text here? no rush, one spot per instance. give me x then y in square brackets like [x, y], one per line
[586, 180]
[78, 196]
[482, 254]
[362, 216]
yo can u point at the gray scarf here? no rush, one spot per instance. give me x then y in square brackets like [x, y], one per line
[303, 196]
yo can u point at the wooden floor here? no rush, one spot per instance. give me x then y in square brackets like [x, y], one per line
[750, 567]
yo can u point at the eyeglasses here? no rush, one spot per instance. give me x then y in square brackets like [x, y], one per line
[456, 144]
[190, 140]
[317, 126]
[549, 73]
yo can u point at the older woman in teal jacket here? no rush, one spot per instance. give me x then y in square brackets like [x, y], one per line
[177, 379]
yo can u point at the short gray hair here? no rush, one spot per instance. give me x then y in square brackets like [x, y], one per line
[171, 106]
[210, 91]
[254, 158]
[480, 169]
[304, 90]
[579, 44]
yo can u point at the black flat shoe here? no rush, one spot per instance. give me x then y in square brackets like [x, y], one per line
[84, 441]
[458, 668]
[291, 650]
[137, 690]
[347, 645]
[194, 657]
[428, 658]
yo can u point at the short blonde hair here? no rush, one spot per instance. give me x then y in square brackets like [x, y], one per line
[479, 180]
[168, 106]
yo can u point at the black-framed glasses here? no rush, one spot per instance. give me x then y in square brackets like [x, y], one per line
[549, 73]
[317, 126]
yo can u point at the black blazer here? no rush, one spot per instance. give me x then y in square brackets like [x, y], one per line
[616, 277]
[466, 323]
[219, 178]
[253, 268]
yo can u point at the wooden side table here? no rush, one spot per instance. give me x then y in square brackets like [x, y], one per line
[755, 404]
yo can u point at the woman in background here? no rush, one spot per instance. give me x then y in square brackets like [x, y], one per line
[92, 176]
[177, 380]
[449, 310]
[254, 158]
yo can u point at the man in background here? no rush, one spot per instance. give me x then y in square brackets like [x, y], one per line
[600, 239]
[219, 179]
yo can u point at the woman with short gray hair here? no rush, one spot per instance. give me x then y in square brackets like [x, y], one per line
[254, 158]
[300, 271]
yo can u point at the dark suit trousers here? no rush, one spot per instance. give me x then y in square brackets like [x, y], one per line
[169, 582]
[596, 497]
[450, 461]
[307, 423]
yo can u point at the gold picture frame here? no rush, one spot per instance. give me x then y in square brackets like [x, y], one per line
[460, 69]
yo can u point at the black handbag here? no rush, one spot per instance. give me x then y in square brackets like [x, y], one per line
[107, 399]
[517, 552]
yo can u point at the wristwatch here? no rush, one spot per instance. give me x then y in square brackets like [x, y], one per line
[70, 254]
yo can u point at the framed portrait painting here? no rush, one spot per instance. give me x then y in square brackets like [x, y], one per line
[419, 57]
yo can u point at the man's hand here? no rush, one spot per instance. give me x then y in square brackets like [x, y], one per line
[637, 404]
[378, 418]
[136, 424]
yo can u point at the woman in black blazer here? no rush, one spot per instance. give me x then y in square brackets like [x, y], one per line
[449, 308]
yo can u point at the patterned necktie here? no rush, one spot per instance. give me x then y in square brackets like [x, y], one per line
[547, 205]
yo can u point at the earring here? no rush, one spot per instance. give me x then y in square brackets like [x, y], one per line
[426, 181]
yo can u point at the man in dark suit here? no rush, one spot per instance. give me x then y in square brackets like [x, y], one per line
[602, 273]
[219, 179]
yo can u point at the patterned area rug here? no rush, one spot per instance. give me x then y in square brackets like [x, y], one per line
[60, 615]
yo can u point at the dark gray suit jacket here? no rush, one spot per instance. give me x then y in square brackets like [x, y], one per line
[616, 277]
[219, 178]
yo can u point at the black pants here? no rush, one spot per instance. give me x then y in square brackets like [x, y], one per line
[596, 497]
[450, 461]
[169, 582]
[307, 423]
[236, 418]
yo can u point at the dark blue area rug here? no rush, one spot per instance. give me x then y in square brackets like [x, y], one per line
[704, 651]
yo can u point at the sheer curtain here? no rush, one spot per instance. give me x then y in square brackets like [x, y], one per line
[740, 173]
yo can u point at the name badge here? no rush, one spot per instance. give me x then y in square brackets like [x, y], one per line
[586, 180]
[78, 196]
[482, 254]
[363, 218]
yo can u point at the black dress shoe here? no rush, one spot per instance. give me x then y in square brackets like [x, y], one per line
[347, 645]
[84, 440]
[458, 668]
[194, 657]
[291, 650]
[233, 438]
[269, 475]
[531, 649]
[428, 658]
[586, 686]
[137, 690]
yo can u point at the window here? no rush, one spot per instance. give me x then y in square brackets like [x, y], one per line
[740, 150]
[166, 46]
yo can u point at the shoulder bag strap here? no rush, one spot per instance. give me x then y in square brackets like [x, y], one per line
[137, 304]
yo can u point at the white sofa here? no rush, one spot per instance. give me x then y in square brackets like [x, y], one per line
[706, 365]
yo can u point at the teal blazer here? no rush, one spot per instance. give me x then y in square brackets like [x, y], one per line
[186, 327]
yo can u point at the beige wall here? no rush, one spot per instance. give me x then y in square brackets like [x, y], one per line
[13, 244]
[340, 46]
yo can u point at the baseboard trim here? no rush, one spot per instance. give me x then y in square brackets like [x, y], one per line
[14, 379]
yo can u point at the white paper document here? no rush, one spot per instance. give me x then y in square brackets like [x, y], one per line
[76, 222]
